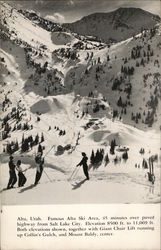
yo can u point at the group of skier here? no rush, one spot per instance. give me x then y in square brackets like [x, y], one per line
[40, 166]
[21, 177]
[12, 174]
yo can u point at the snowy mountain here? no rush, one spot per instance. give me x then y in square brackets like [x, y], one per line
[114, 26]
[71, 94]
[45, 24]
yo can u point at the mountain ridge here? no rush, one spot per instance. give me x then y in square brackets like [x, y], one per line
[116, 25]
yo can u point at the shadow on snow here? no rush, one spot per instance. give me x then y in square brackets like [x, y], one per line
[78, 185]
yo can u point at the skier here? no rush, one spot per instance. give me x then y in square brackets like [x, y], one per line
[40, 161]
[22, 179]
[151, 176]
[84, 164]
[12, 173]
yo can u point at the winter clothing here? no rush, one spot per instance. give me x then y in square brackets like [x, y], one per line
[40, 162]
[84, 164]
[12, 173]
[22, 179]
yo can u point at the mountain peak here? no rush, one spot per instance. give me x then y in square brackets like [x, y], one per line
[117, 25]
[129, 9]
[134, 10]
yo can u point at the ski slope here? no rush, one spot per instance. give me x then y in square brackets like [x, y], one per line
[21, 28]
[113, 183]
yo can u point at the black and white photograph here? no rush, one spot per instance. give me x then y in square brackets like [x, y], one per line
[80, 96]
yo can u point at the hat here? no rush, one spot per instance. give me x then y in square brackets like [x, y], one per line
[19, 162]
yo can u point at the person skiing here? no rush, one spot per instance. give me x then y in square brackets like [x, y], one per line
[40, 162]
[151, 176]
[83, 162]
[12, 173]
[22, 179]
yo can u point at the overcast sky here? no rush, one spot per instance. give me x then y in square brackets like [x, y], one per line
[72, 10]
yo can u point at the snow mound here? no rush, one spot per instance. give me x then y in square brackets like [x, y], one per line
[46, 106]
[42, 106]
[117, 137]
[98, 136]
[61, 38]
[121, 138]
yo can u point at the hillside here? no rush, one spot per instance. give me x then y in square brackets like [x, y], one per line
[114, 26]
[68, 94]
[43, 23]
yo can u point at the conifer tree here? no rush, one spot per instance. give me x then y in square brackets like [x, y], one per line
[112, 149]
[40, 148]
[36, 139]
[106, 159]
[42, 137]
[92, 158]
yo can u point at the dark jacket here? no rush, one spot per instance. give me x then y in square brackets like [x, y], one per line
[12, 166]
[83, 161]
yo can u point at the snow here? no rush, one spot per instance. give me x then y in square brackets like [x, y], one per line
[115, 25]
[46, 106]
[114, 183]
[62, 38]
[30, 32]
[111, 184]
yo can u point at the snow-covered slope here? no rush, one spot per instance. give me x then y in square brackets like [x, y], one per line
[43, 23]
[22, 29]
[67, 88]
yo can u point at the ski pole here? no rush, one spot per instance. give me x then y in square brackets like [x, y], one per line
[76, 172]
[72, 174]
[49, 151]
[47, 176]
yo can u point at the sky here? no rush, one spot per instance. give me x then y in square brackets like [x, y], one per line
[63, 11]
